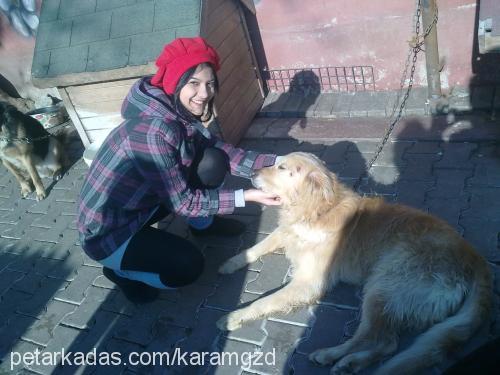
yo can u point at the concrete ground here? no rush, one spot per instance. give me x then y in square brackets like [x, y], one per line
[54, 298]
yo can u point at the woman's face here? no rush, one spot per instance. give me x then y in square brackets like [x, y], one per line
[200, 88]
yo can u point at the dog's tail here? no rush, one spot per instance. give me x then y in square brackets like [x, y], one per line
[430, 348]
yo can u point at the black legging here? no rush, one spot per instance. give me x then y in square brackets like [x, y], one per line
[177, 261]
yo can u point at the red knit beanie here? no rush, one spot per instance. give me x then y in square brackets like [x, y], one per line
[179, 56]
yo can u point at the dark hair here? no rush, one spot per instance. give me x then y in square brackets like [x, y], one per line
[183, 80]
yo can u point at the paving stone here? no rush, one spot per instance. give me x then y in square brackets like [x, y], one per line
[483, 235]
[36, 306]
[8, 278]
[484, 203]
[68, 60]
[19, 350]
[42, 331]
[82, 316]
[165, 338]
[10, 333]
[487, 166]
[308, 105]
[10, 302]
[355, 164]
[281, 340]
[75, 292]
[215, 256]
[382, 180]
[335, 153]
[59, 269]
[456, 155]
[63, 337]
[233, 365]
[228, 293]
[272, 275]
[302, 317]
[301, 364]
[449, 183]
[203, 336]
[6, 258]
[251, 332]
[272, 105]
[290, 104]
[422, 147]
[343, 296]
[393, 154]
[419, 167]
[264, 224]
[325, 105]
[328, 330]
[416, 103]
[448, 209]
[259, 127]
[368, 103]
[139, 329]
[413, 193]
[185, 310]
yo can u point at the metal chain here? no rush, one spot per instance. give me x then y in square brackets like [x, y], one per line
[30, 139]
[415, 48]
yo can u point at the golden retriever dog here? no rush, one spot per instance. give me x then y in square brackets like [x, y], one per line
[417, 273]
[28, 151]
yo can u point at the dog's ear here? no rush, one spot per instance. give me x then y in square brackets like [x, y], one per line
[321, 183]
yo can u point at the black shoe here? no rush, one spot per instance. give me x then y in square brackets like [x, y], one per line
[135, 291]
[221, 227]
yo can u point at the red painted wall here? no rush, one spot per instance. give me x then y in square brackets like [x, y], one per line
[309, 33]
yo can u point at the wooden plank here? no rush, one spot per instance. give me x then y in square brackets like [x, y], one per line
[81, 97]
[235, 98]
[249, 5]
[252, 51]
[235, 133]
[103, 85]
[234, 88]
[97, 135]
[84, 78]
[211, 6]
[99, 109]
[73, 115]
[218, 32]
[235, 37]
[102, 122]
[237, 58]
[222, 12]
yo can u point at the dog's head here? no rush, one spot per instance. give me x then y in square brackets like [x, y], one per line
[300, 179]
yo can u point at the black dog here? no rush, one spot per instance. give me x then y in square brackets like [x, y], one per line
[29, 151]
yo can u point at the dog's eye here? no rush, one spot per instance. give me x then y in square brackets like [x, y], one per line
[281, 166]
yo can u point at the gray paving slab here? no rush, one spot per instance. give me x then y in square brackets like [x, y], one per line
[60, 298]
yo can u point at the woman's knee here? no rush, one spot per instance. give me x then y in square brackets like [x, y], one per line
[187, 274]
[213, 167]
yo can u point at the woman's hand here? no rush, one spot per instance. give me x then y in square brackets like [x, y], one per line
[259, 196]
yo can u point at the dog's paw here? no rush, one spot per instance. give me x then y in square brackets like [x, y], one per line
[26, 189]
[321, 357]
[40, 195]
[232, 265]
[229, 322]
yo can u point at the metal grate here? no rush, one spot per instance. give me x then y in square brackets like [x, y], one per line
[320, 79]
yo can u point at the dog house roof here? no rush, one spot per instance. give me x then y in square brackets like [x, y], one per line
[86, 41]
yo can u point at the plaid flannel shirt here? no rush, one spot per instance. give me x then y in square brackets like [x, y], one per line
[145, 162]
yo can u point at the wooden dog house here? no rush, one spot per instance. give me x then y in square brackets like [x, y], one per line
[93, 51]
